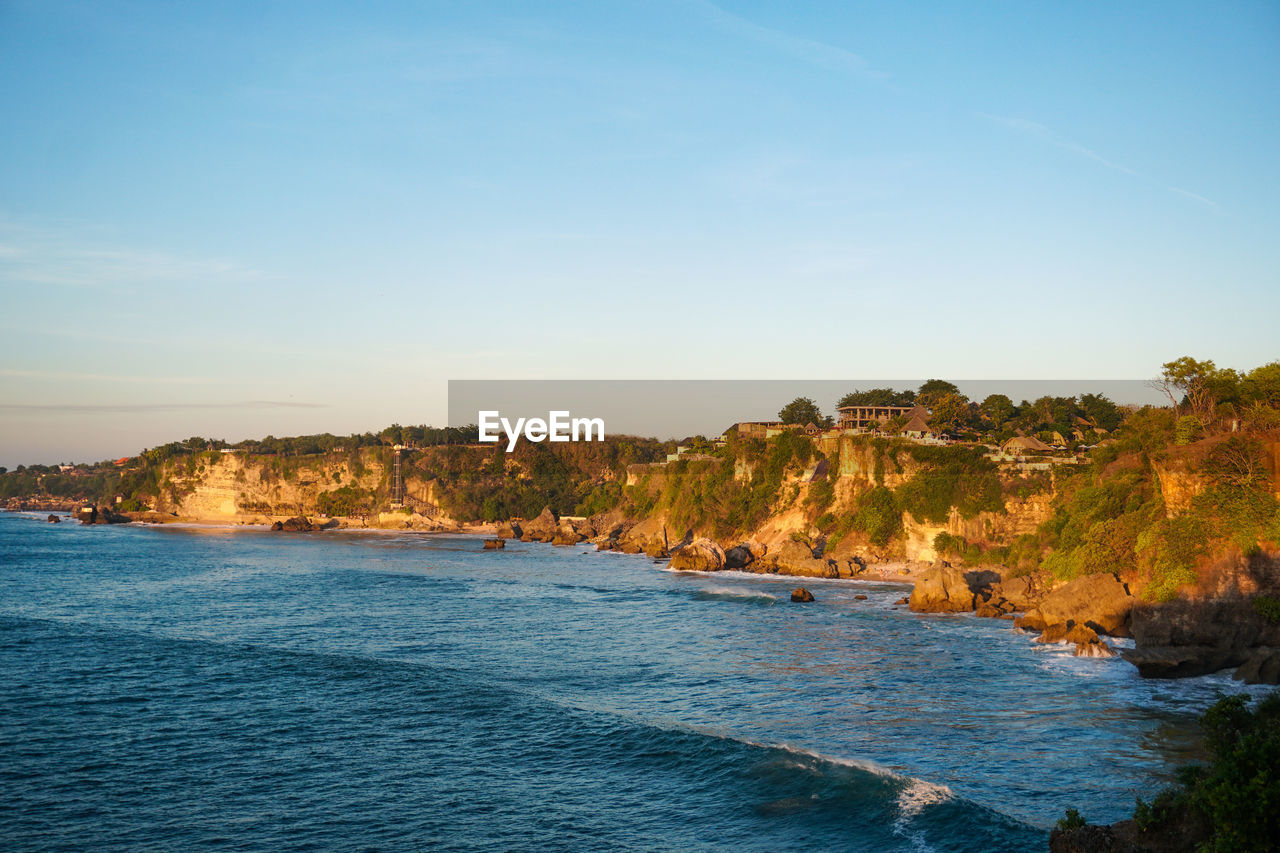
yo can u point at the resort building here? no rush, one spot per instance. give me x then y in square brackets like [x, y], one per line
[870, 417]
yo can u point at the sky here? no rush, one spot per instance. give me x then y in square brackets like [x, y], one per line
[241, 219]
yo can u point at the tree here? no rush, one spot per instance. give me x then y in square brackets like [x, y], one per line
[1100, 411]
[950, 410]
[933, 389]
[877, 397]
[998, 409]
[802, 410]
[1262, 384]
[1202, 384]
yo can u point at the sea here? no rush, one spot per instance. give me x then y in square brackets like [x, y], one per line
[172, 688]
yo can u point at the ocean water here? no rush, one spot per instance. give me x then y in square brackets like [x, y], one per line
[166, 688]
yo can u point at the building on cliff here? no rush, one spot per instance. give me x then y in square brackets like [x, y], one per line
[870, 417]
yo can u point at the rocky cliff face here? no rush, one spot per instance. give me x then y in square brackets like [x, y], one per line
[238, 488]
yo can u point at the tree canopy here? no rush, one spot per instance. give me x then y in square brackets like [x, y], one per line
[803, 410]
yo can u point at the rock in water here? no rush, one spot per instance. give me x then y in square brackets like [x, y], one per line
[859, 597]
[53, 519]
[1094, 649]
[1262, 667]
[543, 528]
[801, 594]
[1100, 601]
[494, 544]
[942, 589]
[700, 555]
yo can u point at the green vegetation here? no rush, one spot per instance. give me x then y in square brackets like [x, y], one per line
[803, 411]
[960, 477]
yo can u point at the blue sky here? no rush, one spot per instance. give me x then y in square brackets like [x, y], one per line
[235, 219]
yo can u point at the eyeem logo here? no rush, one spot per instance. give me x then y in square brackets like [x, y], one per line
[557, 427]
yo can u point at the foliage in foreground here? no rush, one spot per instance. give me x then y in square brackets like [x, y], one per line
[1230, 804]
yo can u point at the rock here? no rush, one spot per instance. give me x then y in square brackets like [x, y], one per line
[902, 600]
[1032, 621]
[988, 611]
[1100, 601]
[1196, 637]
[276, 526]
[53, 519]
[859, 597]
[1262, 667]
[566, 534]
[942, 589]
[1021, 592]
[1056, 633]
[1081, 634]
[801, 594]
[797, 559]
[739, 556]
[495, 544]
[700, 555]
[297, 524]
[1095, 649]
[541, 529]
[509, 530]
[87, 514]
[1181, 661]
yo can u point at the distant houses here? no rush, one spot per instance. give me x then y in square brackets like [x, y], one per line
[1020, 444]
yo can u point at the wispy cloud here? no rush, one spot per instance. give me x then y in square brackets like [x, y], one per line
[1034, 128]
[1039, 131]
[65, 376]
[1195, 196]
[812, 51]
[79, 259]
[103, 408]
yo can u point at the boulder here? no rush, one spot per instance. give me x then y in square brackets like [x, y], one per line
[797, 559]
[87, 514]
[495, 544]
[1032, 621]
[541, 529]
[859, 597]
[902, 600]
[743, 554]
[53, 519]
[1021, 592]
[566, 534]
[509, 530]
[942, 589]
[1096, 649]
[297, 524]
[1262, 667]
[801, 594]
[1056, 633]
[1100, 601]
[700, 555]
[988, 611]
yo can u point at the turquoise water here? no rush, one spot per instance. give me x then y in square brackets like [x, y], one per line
[178, 688]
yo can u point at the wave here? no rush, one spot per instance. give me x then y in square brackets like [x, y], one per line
[723, 593]
[760, 795]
